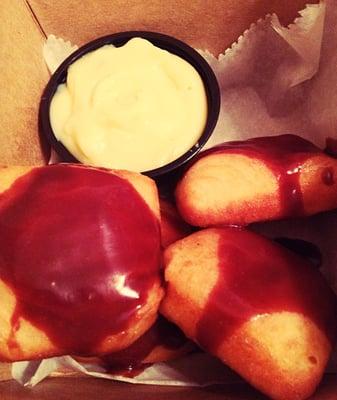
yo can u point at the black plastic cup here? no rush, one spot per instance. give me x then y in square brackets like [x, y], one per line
[165, 42]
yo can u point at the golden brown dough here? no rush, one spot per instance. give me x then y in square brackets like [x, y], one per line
[55, 295]
[173, 227]
[256, 180]
[259, 308]
[164, 341]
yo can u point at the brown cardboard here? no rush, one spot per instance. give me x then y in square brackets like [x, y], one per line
[23, 76]
[5, 372]
[206, 24]
[24, 23]
[92, 389]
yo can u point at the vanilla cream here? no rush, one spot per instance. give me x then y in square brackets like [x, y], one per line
[134, 107]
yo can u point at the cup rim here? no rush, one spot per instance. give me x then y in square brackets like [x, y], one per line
[165, 42]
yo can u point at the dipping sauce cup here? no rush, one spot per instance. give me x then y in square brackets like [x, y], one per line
[185, 55]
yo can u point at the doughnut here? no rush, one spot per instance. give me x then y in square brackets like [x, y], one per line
[264, 311]
[164, 341]
[173, 227]
[79, 260]
[260, 179]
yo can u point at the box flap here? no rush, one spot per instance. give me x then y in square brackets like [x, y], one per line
[211, 25]
[23, 77]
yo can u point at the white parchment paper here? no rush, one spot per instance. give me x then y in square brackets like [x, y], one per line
[273, 80]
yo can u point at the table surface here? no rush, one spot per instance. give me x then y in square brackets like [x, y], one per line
[97, 389]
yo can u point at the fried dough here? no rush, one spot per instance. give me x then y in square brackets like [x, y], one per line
[79, 260]
[260, 179]
[261, 309]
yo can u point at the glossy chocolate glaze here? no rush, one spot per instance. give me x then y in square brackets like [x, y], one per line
[80, 249]
[162, 333]
[258, 277]
[284, 155]
[328, 176]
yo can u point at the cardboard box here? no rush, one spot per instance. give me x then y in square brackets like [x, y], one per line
[206, 24]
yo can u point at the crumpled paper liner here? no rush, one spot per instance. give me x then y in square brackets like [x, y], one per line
[269, 85]
[264, 78]
[197, 369]
[55, 51]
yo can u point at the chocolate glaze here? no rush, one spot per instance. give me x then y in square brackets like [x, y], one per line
[328, 176]
[284, 155]
[130, 360]
[256, 277]
[80, 249]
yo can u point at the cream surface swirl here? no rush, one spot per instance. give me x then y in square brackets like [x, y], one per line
[134, 107]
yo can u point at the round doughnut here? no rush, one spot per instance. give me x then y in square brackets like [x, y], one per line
[79, 260]
[164, 341]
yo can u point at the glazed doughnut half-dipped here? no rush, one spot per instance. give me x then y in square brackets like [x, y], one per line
[258, 179]
[79, 260]
[260, 308]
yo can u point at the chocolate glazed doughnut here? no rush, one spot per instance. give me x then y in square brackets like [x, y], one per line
[260, 308]
[79, 260]
[260, 179]
[164, 341]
